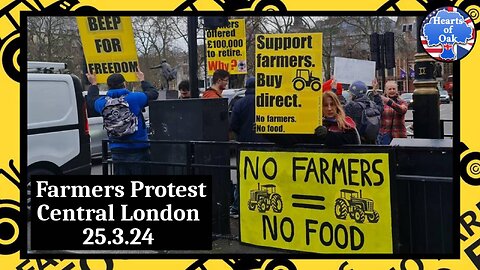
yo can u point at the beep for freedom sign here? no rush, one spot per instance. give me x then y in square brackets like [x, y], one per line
[316, 202]
[288, 82]
[109, 46]
[227, 49]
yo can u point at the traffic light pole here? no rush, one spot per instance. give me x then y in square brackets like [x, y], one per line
[192, 23]
[382, 50]
[426, 106]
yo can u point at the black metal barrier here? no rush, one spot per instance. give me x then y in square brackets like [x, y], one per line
[425, 191]
[424, 186]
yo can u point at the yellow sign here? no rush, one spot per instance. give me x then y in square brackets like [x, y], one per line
[226, 48]
[316, 202]
[288, 77]
[109, 46]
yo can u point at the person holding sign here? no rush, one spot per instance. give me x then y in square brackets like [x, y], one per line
[393, 116]
[220, 81]
[341, 129]
[242, 124]
[128, 145]
[337, 128]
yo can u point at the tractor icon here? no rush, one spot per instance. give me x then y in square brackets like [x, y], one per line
[352, 203]
[265, 197]
[304, 78]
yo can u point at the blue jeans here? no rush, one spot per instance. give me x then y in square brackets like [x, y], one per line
[384, 139]
[131, 162]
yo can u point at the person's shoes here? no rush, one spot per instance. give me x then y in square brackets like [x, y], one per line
[234, 213]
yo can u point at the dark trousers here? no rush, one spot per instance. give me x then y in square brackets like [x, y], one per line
[131, 162]
[236, 198]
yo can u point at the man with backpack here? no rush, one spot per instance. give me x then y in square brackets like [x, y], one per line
[122, 115]
[365, 112]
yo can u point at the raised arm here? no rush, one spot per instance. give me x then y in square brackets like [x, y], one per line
[147, 87]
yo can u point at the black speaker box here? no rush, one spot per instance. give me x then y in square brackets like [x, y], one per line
[389, 40]
[375, 50]
[195, 120]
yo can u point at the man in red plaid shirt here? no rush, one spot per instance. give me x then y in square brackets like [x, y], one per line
[393, 116]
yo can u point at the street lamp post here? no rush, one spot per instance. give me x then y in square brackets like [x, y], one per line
[426, 109]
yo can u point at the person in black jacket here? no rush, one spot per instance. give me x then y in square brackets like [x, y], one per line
[242, 123]
[359, 102]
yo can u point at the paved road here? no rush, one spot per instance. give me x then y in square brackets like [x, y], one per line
[446, 113]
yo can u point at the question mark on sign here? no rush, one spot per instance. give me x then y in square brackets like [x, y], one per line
[233, 64]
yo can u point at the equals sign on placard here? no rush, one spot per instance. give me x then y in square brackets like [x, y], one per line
[315, 201]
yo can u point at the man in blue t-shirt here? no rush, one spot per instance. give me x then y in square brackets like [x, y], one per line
[125, 155]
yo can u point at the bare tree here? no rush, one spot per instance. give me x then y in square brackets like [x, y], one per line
[277, 24]
[157, 39]
[363, 27]
[54, 39]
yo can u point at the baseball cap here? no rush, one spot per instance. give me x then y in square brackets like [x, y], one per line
[358, 88]
[115, 79]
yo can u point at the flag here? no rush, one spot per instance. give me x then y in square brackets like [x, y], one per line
[411, 72]
[403, 74]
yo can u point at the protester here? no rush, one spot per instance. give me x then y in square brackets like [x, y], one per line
[220, 81]
[125, 155]
[341, 129]
[242, 123]
[184, 89]
[337, 129]
[359, 103]
[393, 116]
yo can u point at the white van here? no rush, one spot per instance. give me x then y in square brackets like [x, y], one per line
[58, 140]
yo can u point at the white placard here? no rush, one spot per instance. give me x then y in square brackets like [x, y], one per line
[348, 70]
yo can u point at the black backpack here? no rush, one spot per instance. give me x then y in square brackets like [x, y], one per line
[370, 121]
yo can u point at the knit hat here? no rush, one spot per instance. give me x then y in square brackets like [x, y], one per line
[327, 86]
[358, 88]
[115, 80]
[250, 83]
